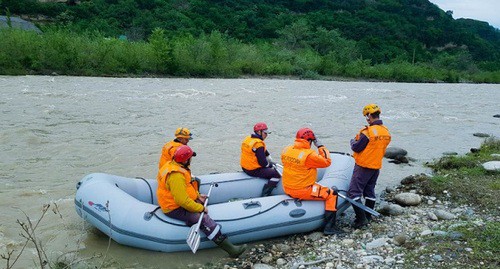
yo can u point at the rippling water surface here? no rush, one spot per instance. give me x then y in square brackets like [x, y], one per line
[55, 130]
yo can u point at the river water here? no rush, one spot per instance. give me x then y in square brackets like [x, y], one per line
[55, 130]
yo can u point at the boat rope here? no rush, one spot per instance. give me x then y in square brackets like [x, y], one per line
[285, 201]
[150, 189]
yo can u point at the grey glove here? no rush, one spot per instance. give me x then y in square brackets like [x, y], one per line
[317, 143]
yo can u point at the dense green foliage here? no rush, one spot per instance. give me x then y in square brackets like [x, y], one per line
[402, 40]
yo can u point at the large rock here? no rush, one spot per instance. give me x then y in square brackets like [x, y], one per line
[391, 209]
[412, 179]
[492, 165]
[444, 215]
[393, 152]
[18, 23]
[481, 135]
[408, 199]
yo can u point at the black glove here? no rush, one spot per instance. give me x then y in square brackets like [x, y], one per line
[335, 190]
[271, 164]
[317, 143]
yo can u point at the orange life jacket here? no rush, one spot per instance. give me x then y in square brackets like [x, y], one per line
[295, 173]
[167, 152]
[165, 197]
[379, 138]
[248, 159]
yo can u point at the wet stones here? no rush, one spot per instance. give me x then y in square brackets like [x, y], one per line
[393, 152]
[408, 199]
[444, 215]
[414, 179]
[480, 135]
[389, 209]
[492, 165]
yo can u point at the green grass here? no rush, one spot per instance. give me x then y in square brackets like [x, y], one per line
[466, 182]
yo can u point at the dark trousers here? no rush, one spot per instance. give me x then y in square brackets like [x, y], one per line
[363, 183]
[209, 227]
[268, 173]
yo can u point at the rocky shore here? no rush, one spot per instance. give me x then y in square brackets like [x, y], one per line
[399, 239]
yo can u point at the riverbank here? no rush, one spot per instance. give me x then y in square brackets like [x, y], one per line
[446, 228]
[59, 52]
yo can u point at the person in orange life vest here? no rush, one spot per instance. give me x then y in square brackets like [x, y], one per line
[300, 164]
[369, 148]
[182, 137]
[255, 159]
[179, 199]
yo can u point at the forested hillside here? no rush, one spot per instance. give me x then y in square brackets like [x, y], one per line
[372, 31]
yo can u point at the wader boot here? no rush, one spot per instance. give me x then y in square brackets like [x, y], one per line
[267, 189]
[330, 227]
[233, 251]
[360, 221]
[370, 204]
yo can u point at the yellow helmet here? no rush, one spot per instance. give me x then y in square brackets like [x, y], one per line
[370, 109]
[182, 132]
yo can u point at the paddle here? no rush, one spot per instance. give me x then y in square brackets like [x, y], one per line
[353, 202]
[360, 205]
[194, 238]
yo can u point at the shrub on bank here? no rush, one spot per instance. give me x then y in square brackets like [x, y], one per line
[209, 55]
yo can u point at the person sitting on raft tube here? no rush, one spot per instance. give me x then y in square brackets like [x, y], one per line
[300, 164]
[256, 160]
[179, 199]
[182, 137]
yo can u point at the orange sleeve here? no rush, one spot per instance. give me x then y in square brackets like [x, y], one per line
[320, 159]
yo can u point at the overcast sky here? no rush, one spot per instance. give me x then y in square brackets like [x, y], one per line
[481, 10]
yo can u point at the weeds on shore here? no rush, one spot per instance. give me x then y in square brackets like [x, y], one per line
[463, 180]
[29, 232]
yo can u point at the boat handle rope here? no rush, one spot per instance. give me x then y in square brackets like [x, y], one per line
[150, 190]
[285, 202]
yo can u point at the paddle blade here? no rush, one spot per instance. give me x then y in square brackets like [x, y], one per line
[360, 205]
[193, 240]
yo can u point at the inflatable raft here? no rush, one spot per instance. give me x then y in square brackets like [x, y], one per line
[126, 209]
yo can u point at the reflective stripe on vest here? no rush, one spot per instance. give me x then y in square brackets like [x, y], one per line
[295, 173]
[248, 159]
[167, 152]
[165, 198]
[379, 138]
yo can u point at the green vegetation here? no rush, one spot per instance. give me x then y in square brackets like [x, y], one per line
[465, 182]
[394, 40]
[464, 178]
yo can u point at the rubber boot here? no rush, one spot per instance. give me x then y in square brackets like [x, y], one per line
[370, 204]
[267, 189]
[330, 227]
[360, 221]
[233, 251]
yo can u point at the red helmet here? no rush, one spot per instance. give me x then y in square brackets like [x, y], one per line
[305, 133]
[259, 126]
[183, 153]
